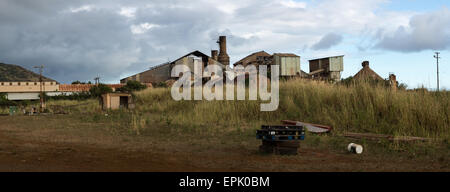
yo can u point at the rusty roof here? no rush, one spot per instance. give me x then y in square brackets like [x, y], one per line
[248, 58]
[74, 87]
[367, 73]
[83, 87]
[286, 54]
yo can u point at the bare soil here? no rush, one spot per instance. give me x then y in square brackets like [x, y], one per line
[65, 143]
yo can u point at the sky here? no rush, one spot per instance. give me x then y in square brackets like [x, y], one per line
[80, 39]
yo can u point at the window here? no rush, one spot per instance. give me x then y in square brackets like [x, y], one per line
[51, 83]
[26, 83]
[35, 83]
[3, 83]
[10, 83]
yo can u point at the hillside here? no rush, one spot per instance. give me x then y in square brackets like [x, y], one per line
[16, 73]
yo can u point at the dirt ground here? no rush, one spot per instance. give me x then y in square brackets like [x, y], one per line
[58, 144]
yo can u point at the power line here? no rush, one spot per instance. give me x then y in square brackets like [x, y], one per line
[97, 79]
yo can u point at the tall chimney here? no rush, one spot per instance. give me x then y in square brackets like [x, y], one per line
[365, 64]
[223, 56]
[214, 54]
[393, 81]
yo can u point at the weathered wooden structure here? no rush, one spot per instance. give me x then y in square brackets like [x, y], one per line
[328, 68]
[117, 101]
[280, 139]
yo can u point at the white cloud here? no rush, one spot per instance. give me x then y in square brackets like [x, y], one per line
[82, 8]
[142, 28]
[293, 4]
[128, 11]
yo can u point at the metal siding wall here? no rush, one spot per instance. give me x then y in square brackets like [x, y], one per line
[290, 66]
[284, 66]
[336, 64]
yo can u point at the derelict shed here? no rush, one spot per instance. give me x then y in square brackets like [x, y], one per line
[327, 68]
[117, 101]
[289, 63]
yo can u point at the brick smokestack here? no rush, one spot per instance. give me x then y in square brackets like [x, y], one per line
[365, 64]
[393, 81]
[214, 54]
[223, 56]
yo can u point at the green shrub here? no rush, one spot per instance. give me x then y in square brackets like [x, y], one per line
[100, 89]
[132, 86]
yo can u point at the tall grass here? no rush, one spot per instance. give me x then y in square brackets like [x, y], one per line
[359, 108]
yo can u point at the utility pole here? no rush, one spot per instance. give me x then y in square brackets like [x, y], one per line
[41, 89]
[437, 65]
[97, 80]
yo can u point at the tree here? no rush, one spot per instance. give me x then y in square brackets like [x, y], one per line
[132, 86]
[99, 90]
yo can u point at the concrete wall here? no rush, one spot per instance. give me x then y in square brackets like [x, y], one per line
[156, 75]
[112, 100]
[22, 96]
[335, 75]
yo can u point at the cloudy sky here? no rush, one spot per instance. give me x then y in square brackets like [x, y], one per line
[78, 39]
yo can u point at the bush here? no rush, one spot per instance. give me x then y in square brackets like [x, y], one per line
[132, 86]
[161, 84]
[99, 90]
[75, 96]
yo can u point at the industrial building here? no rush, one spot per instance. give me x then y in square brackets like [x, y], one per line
[366, 73]
[257, 58]
[289, 63]
[327, 68]
[30, 90]
[162, 72]
[27, 90]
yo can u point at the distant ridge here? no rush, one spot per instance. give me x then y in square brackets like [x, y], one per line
[15, 73]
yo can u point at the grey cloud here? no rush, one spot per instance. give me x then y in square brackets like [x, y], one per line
[429, 31]
[78, 46]
[328, 41]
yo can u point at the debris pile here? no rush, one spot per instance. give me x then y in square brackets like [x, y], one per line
[280, 139]
[313, 128]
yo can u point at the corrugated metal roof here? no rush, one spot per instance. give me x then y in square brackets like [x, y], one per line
[326, 57]
[286, 54]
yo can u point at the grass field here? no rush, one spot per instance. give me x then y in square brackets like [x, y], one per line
[362, 108]
[166, 135]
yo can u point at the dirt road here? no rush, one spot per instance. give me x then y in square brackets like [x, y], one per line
[48, 148]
